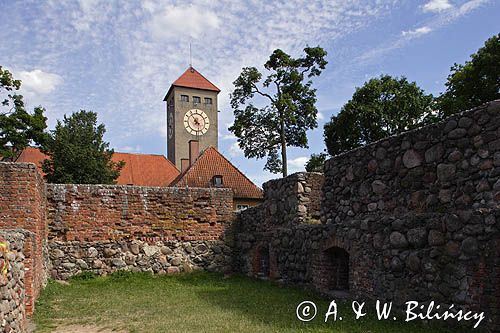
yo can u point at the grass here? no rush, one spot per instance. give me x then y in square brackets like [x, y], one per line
[195, 302]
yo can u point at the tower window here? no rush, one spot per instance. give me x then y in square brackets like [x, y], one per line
[196, 100]
[184, 98]
[217, 180]
[208, 100]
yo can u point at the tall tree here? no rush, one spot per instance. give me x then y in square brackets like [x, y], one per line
[381, 107]
[18, 128]
[475, 82]
[289, 106]
[78, 154]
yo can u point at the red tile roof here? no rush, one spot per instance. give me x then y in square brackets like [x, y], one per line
[139, 169]
[192, 79]
[211, 163]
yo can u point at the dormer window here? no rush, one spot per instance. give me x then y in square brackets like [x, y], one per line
[196, 100]
[217, 181]
[184, 98]
[208, 100]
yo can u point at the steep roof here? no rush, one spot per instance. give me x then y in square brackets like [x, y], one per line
[139, 169]
[191, 78]
[211, 163]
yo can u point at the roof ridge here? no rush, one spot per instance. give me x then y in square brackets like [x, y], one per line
[190, 168]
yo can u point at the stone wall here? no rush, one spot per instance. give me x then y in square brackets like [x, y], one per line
[104, 257]
[23, 206]
[12, 280]
[419, 213]
[294, 200]
[283, 230]
[411, 217]
[104, 228]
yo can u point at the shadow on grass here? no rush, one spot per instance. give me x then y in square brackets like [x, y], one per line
[275, 305]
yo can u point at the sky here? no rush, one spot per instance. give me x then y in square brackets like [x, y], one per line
[118, 58]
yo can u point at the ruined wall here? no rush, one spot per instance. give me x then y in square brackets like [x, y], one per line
[104, 228]
[22, 206]
[411, 217]
[419, 212]
[294, 200]
[284, 228]
[12, 280]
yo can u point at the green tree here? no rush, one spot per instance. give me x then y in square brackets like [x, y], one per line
[78, 154]
[381, 107]
[289, 106]
[316, 162]
[18, 128]
[474, 83]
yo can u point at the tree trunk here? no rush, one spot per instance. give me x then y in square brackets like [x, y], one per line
[283, 150]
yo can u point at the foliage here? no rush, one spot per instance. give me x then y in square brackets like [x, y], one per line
[78, 154]
[18, 128]
[316, 162]
[381, 107]
[290, 109]
[475, 82]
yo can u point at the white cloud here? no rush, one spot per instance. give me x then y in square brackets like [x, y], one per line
[228, 136]
[38, 81]
[235, 150]
[298, 162]
[437, 6]
[439, 21]
[175, 21]
[417, 32]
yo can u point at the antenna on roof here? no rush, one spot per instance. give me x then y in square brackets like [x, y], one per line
[190, 57]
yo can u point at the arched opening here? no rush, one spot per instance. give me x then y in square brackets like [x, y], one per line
[337, 268]
[261, 262]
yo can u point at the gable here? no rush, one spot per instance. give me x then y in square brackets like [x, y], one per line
[212, 163]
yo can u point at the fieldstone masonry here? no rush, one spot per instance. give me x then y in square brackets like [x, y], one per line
[103, 228]
[411, 217]
[12, 282]
[417, 215]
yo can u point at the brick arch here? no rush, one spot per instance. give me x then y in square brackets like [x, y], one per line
[334, 241]
[332, 266]
[263, 261]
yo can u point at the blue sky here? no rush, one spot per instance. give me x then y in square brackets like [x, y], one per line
[118, 58]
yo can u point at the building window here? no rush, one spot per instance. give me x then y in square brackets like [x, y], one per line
[196, 100]
[184, 98]
[208, 100]
[239, 208]
[217, 180]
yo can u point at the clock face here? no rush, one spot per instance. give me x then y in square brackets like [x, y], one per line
[196, 122]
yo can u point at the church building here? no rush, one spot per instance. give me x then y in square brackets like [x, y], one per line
[192, 147]
[192, 140]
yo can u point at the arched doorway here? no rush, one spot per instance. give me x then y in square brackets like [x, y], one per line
[337, 262]
[261, 262]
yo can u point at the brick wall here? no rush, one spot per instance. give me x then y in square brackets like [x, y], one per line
[22, 206]
[104, 228]
[107, 212]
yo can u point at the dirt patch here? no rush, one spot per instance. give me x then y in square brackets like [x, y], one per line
[85, 329]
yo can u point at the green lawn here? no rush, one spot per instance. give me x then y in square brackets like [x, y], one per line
[195, 302]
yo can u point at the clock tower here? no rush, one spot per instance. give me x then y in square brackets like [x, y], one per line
[191, 116]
